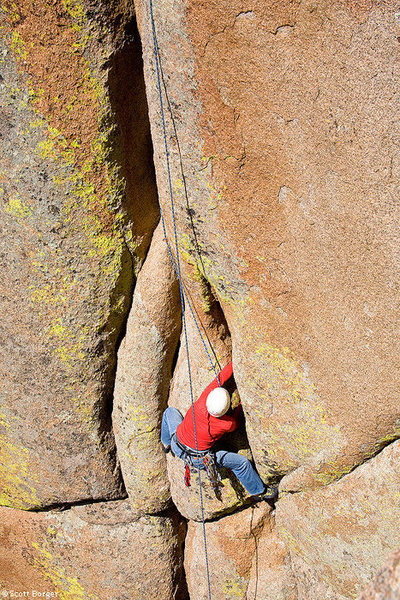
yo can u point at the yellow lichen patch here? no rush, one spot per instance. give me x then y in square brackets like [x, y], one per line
[12, 12]
[18, 209]
[290, 540]
[178, 184]
[145, 428]
[48, 294]
[305, 429]
[71, 351]
[16, 476]
[76, 10]
[70, 340]
[332, 473]
[390, 437]
[46, 149]
[67, 587]
[70, 123]
[84, 409]
[235, 588]
[18, 46]
[214, 196]
[4, 422]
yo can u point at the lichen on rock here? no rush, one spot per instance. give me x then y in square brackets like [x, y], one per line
[280, 126]
[69, 242]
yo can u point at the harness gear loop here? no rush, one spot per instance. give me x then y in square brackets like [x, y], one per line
[211, 469]
[209, 464]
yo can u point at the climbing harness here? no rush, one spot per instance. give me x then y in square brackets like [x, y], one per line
[183, 294]
[209, 465]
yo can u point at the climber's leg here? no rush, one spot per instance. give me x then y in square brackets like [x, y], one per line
[170, 421]
[243, 469]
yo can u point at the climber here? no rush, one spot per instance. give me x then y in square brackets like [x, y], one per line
[214, 417]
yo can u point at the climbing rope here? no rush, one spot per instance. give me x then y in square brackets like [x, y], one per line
[177, 267]
[176, 264]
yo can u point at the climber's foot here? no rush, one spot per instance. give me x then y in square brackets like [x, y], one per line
[166, 449]
[270, 495]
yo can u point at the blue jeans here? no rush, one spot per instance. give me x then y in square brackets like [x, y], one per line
[239, 465]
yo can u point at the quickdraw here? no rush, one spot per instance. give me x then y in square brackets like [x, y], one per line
[213, 473]
[187, 475]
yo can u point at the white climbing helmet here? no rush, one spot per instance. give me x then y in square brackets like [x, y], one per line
[218, 402]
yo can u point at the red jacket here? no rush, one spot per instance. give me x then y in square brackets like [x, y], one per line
[208, 428]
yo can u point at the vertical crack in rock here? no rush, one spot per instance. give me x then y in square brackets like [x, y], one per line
[213, 324]
[132, 152]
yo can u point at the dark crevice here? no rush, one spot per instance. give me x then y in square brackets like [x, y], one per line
[255, 533]
[366, 460]
[175, 358]
[131, 156]
[133, 151]
[134, 155]
[214, 310]
[377, 450]
[61, 506]
[181, 588]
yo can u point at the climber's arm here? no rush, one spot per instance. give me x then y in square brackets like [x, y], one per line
[233, 421]
[225, 379]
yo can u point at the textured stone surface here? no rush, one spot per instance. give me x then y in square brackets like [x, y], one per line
[143, 375]
[276, 107]
[309, 584]
[386, 584]
[273, 573]
[67, 240]
[93, 552]
[231, 545]
[287, 224]
[246, 558]
[345, 531]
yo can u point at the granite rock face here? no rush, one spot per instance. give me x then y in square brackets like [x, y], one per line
[345, 531]
[275, 107]
[386, 584]
[231, 544]
[284, 164]
[245, 557]
[92, 552]
[286, 209]
[69, 245]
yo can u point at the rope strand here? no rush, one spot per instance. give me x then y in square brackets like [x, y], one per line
[178, 272]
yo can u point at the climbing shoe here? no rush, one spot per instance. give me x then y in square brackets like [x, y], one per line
[270, 495]
[166, 449]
